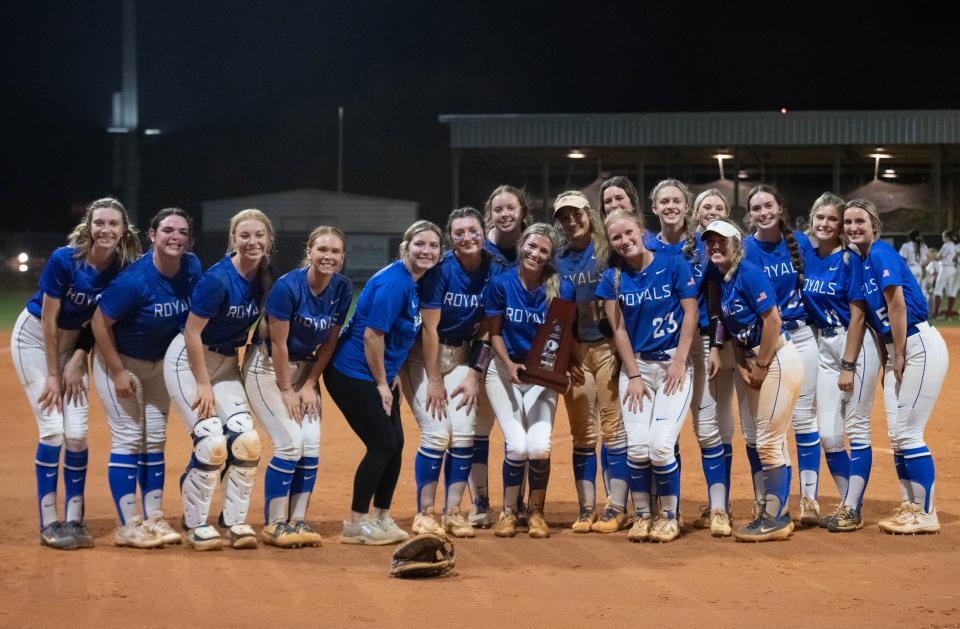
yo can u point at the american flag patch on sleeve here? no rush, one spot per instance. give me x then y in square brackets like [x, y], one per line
[886, 273]
[762, 295]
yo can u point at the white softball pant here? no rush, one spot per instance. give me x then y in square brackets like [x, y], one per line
[137, 424]
[805, 413]
[946, 284]
[711, 404]
[525, 413]
[845, 413]
[910, 403]
[457, 428]
[652, 432]
[29, 359]
[769, 409]
[292, 438]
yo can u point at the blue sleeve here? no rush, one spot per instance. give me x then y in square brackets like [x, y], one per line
[56, 276]
[280, 302]
[433, 288]
[760, 291]
[343, 306]
[390, 298]
[854, 277]
[495, 300]
[803, 243]
[605, 286]
[121, 296]
[207, 296]
[567, 290]
[886, 266]
[683, 281]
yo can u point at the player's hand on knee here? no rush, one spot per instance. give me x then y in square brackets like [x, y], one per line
[123, 384]
[291, 401]
[386, 398]
[636, 391]
[205, 404]
[74, 390]
[757, 375]
[436, 399]
[468, 391]
[310, 401]
[51, 397]
[676, 373]
[845, 383]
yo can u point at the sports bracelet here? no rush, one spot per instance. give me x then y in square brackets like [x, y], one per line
[767, 366]
[846, 365]
[636, 376]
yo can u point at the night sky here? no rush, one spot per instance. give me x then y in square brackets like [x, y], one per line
[246, 93]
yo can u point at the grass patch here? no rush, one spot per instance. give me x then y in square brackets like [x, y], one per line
[12, 303]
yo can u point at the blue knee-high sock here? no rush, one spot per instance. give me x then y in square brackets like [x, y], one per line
[512, 478]
[605, 466]
[585, 475]
[676, 454]
[47, 469]
[304, 478]
[538, 475]
[808, 460]
[276, 487]
[640, 478]
[839, 465]
[776, 481]
[151, 471]
[756, 472]
[74, 480]
[919, 464]
[667, 478]
[426, 471]
[906, 489]
[861, 462]
[619, 477]
[478, 468]
[715, 473]
[728, 470]
[122, 474]
[456, 473]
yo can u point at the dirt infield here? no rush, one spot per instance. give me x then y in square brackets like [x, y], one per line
[816, 579]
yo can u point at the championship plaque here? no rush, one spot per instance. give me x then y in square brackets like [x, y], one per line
[549, 356]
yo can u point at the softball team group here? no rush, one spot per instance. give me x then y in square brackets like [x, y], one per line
[800, 326]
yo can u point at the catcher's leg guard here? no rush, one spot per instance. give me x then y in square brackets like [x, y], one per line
[199, 480]
[243, 455]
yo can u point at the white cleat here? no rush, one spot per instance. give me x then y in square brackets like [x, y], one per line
[204, 537]
[164, 529]
[135, 534]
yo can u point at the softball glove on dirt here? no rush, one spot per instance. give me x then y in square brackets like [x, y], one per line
[426, 555]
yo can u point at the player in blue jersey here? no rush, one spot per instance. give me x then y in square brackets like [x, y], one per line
[515, 306]
[362, 380]
[304, 312]
[650, 300]
[139, 314]
[769, 365]
[202, 375]
[915, 366]
[442, 380]
[593, 408]
[507, 214]
[776, 249]
[54, 374]
[713, 374]
[845, 386]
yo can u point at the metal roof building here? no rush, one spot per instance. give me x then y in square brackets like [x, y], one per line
[910, 157]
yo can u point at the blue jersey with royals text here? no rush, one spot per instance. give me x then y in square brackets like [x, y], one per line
[523, 310]
[582, 270]
[230, 303]
[148, 307]
[774, 259]
[310, 316]
[746, 296]
[75, 283]
[388, 303]
[827, 285]
[650, 300]
[507, 254]
[458, 294]
[884, 267]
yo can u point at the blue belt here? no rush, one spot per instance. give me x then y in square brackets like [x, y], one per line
[655, 356]
[911, 330]
[830, 332]
[795, 324]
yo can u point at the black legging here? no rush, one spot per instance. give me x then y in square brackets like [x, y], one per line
[379, 468]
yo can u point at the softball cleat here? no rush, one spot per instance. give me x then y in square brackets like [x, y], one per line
[765, 528]
[902, 517]
[720, 523]
[58, 535]
[204, 537]
[847, 519]
[640, 531]
[537, 526]
[136, 534]
[79, 533]
[506, 526]
[664, 530]
[921, 523]
[703, 521]
[279, 534]
[363, 532]
[827, 519]
[306, 535]
[425, 522]
[162, 527]
[809, 512]
[241, 536]
[480, 513]
[394, 532]
[586, 518]
[612, 519]
[456, 524]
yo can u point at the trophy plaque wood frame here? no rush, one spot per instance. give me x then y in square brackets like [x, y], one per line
[549, 357]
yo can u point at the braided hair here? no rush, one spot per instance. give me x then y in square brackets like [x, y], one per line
[795, 256]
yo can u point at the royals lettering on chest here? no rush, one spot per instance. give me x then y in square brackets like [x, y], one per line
[733, 307]
[779, 269]
[80, 298]
[244, 311]
[870, 286]
[312, 323]
[583, 278]
[461, 300]
[652, 293]
[821, 287]
[171, 308]
[519, 315]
